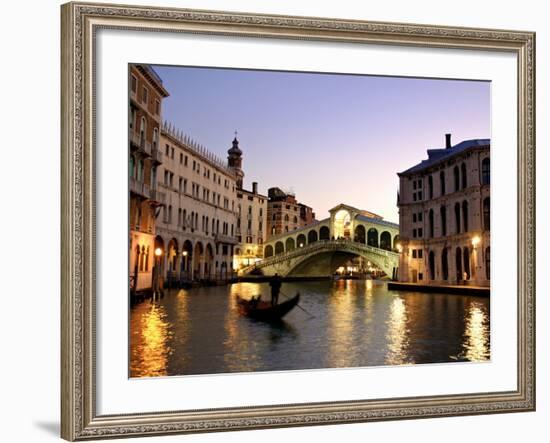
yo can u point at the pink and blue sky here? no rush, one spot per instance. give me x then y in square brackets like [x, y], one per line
[330, 138]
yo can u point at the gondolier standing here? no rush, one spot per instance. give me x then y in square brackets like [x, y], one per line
[275, 284]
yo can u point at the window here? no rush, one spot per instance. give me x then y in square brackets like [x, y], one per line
[157, 107]
[155, 138]
[414, 233]
[431, 187]
[431, 223]
[457, 218]
[142, 132]
[133, 115]
[486, 171]
[465, 215]
[132, 166]
[414, 253]
[167, 150]
[456, 176]
[420, 276]
[414, 218]
[420, 255]
[134, 84]
[464, 176]
[442, 182]
[443, 212]
[144, 95]
[419, 232]
[420, 216]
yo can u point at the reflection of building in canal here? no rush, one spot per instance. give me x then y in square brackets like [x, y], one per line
[444, 216]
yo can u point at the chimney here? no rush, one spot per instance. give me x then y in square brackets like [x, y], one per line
[254, 187]
[447, 141]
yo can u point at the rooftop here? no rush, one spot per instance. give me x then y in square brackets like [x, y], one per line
[439, 155]
[185, 140]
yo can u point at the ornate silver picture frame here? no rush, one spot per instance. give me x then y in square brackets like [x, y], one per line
[80, 23]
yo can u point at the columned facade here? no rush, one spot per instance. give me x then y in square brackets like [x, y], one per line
[198, 218]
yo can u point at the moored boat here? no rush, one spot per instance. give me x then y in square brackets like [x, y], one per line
[265, 311]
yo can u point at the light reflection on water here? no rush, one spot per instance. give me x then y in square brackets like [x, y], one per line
[356, 323]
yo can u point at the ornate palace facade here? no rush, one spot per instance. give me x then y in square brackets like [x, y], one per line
[444, 216]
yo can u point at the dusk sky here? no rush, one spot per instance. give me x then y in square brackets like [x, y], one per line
[330, 138]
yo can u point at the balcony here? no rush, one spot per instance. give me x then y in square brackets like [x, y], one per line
[158, 197]
[220, 238]
[139, 188]
[156, 155]
[136, 142]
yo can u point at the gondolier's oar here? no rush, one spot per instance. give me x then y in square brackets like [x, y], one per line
[297, 304]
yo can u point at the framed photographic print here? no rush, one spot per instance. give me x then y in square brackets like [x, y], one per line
[283, 221]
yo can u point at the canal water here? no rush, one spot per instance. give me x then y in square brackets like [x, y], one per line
[353, 323]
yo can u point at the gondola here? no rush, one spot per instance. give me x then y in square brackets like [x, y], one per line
[265, 311]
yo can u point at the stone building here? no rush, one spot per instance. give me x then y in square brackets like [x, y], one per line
[251, 226]
[444, 216]
[285, 214]
[145, 103]
[196, 227]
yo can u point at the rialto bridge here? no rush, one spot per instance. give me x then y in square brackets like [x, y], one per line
[320, 248]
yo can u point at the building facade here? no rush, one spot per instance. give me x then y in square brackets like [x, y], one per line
[196, 226]
[146, 95]
[444, 216]
[251, 226]
[285, 214]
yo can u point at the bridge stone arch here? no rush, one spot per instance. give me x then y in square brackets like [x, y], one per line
[286, 263]
[355, 226]
[312, 236]
[279, 247]
[290, 244]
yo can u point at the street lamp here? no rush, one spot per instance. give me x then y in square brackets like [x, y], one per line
[301, 245]
[399, 248]
[158, 253]
[475, 242]
[184, 253]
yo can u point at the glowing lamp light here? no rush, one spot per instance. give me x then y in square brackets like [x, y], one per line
[184, 253]
[475, 241]
[399, 248]
[158, 252]
[301, 245]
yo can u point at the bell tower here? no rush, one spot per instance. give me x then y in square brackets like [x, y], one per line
[235, 161]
